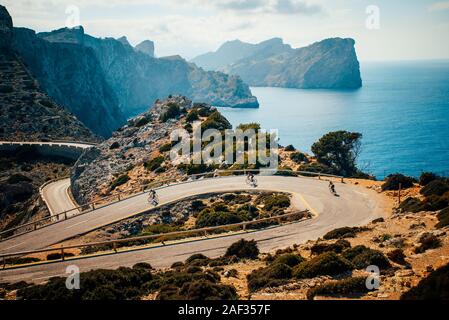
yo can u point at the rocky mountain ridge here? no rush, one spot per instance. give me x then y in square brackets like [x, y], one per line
[104, 81]
[27, 113]
[328, 64]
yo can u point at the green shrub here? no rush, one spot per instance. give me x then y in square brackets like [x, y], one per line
[427, 177]
[199, 290]
[336, 247]
[436, 203]
[158, 229]
[412, 205]
[143, 265]
[339, 150]
[285, 172]
[435, 188]
[443, 218]
[393, 181]
[362, 257]
[178, 264]
[427, 241]
[328, 263]
[190, 169]
[344, 232]
[120, 284]
[289, 259]
[273, 201]
[154, 163]
[58, 256]
[165, 147]
[216, 121]
[124, 178]
[434, 287]
[289, 148]
[210, 219]
[203, 109]
[16, 178]
[299, 157]
[114, 145]
[271, 276]
[197, 257]
[193, 269]
[397, 256]
[192, 116]
[243, 249]
[142, 121]
[21, 260]
[171, 111]
[341, 288]
[316, 167]
[197, 205]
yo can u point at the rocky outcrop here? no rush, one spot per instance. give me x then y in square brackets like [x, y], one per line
[328, 64]
[138, 79]
[125, 152]
[26, 112]
[70, 74]
[146, 47]
[5, 28]
[232, 51]
[104, 81]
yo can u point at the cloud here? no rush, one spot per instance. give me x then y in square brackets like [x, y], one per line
[439, 6]
[296, 7]
[238, 5]
[264, 6]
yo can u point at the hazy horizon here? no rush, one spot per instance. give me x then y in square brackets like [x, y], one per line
[395, 31]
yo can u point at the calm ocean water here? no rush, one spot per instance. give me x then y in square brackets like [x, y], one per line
[402, 111]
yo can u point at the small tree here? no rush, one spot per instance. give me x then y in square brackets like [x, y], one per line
[339, 150]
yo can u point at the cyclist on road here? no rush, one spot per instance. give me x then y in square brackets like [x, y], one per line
[152, 197]
[332, 187]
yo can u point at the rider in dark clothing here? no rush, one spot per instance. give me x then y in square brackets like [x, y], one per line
[152, 194]
[332, 186]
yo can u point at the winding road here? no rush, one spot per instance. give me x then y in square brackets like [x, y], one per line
[356, 206]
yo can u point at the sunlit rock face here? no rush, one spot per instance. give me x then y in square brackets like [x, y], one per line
[328, 64]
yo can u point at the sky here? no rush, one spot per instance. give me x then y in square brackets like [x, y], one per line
[382, 29]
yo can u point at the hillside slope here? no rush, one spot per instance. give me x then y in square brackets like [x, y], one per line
[328, 64]
[138, 79]
[26, 112]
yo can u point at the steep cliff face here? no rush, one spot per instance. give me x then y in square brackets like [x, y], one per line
[70, 74]
[329, 64]
[5, 28]
[26, 112]
[232, 51]
[137, 79]
[103, 81]
[146, 47]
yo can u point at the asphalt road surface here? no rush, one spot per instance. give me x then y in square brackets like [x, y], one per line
[356, 206]
[56, 195]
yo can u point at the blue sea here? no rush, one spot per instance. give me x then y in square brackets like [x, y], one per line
[402, 112]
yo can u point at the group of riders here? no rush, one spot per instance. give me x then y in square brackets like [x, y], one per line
[250, 180]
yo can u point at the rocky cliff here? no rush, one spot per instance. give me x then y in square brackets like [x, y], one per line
[138, 79]
[232, 51]
[26, 112]
[328, 64]
[146, 47]
[71, 75]
[104, 81]
[5, 28]
[128, 152]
